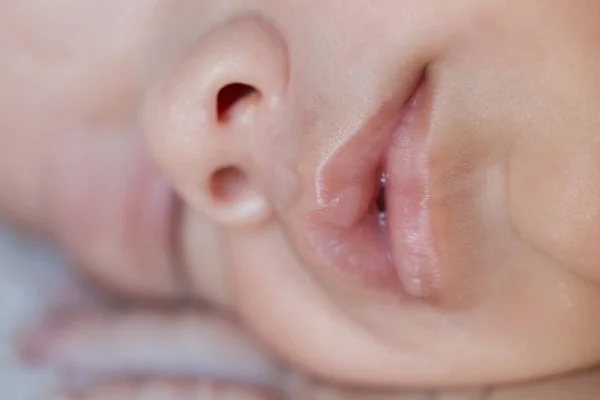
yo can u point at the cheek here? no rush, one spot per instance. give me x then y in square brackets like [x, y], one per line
[205, 257]
[46, 58]
[554, 196]
[538, 92]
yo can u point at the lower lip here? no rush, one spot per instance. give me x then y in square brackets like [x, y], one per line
[407, 199]
[396, 253]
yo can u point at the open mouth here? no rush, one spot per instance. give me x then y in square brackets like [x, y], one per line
[380, 199]
[372, 217]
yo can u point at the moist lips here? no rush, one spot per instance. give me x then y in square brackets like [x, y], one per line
[372, 219]
[408, 200]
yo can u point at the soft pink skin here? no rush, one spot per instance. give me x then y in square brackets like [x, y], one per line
[505, 157]
[84, 155]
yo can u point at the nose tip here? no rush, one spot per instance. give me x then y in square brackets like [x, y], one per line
[209, 117]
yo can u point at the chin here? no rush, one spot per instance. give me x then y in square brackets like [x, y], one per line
[374, 339]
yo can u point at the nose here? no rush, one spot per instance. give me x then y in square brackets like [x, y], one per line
[205, 120]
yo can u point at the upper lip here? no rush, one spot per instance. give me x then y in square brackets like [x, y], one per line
[367, 147]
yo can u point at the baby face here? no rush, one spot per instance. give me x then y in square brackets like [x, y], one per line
[396, 194]
[406, 193]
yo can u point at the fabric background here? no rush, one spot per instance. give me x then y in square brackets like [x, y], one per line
[29, 272]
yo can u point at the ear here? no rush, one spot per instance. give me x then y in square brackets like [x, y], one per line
[204, 117]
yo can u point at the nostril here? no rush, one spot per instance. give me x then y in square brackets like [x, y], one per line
[231, 97]
[228, 184]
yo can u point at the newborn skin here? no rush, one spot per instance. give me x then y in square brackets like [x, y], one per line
[276, 120]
